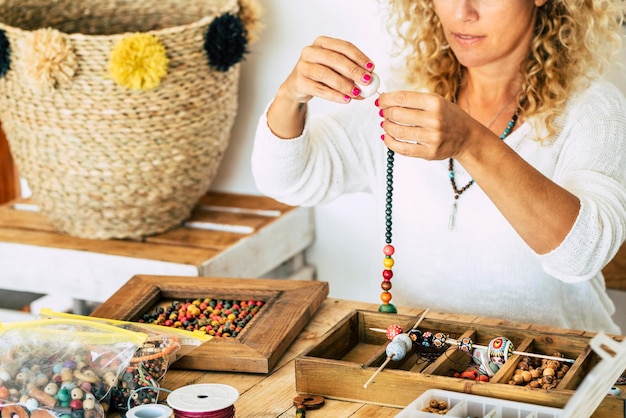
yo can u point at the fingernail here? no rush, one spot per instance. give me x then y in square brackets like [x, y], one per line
[347, 98]
[369, 65]
[376, 102]
[380, 113]
[366, 78]
[382, 137]
[356, 91]
[381, 123]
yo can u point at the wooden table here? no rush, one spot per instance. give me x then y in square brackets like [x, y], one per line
[265, 396]
[228, 235]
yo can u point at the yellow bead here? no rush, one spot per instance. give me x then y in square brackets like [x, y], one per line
[388, 262]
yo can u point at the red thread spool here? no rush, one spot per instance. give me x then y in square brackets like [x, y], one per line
[204, 401]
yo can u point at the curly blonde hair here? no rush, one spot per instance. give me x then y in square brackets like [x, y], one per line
[575, 41]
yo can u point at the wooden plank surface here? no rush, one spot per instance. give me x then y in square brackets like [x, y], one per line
[228, 235]
[272, 395]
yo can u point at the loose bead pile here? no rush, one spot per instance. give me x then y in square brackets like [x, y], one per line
[539, 373]
[436, 407]
[388, 249]
[216, 317]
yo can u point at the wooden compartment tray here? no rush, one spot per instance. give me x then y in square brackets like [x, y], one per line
[349, 354]
[288, 306]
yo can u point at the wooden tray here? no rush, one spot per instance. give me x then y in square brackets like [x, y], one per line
[348, 355]
[289, 305]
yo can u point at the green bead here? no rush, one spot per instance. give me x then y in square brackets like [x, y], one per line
[387, 308]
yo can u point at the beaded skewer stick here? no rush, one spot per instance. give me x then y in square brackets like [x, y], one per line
[466, 344]
[396, 352]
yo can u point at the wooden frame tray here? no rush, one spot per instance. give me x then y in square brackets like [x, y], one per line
[349, 354]
[289, 305]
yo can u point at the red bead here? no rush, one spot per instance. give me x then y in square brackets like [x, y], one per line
[388, 249]
[387, 274]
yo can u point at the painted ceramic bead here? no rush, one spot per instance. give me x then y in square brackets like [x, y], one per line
[466, 344]
[392, 331]
[500, 349]
[439, 339]
[416, 336]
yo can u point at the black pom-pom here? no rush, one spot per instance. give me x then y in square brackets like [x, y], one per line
[5, 53]
[225, 42]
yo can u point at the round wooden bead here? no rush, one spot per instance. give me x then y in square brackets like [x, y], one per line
[387, 308]
[387, 274]
[385, 297]
[388, 262]
[388, 249]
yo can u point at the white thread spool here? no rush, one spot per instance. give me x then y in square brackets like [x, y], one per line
[150, 411]
[202, 398]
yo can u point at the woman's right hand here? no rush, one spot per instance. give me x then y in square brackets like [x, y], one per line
[329, 68]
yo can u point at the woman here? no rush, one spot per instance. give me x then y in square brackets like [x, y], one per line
[509, 176]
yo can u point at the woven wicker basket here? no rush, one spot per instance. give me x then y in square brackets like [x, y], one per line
[104, 160]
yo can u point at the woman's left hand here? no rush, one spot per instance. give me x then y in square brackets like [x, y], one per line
[424, 125]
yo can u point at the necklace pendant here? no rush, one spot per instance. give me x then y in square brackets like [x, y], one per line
[452, 219]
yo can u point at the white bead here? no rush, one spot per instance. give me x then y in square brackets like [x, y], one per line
[371, 88]
[396, 350]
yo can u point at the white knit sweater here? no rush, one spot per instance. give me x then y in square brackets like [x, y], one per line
[482, 267]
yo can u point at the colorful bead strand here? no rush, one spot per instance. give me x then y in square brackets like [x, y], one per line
[388, 249]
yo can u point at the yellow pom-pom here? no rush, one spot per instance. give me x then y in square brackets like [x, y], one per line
[138, 62]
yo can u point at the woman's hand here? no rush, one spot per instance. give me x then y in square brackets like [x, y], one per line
[330, 69]
[425, 125]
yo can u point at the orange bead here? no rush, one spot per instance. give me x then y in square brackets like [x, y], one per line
[385, 297]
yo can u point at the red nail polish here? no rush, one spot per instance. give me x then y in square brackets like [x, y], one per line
[382, 137]
[376, 102]
[356, 91]
[366, 78]
[381, 123]
[347, 98]
[381, 113]
[369, 65]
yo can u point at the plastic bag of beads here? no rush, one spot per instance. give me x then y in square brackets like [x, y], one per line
[139, 382]
[179, 342]
[62, 367]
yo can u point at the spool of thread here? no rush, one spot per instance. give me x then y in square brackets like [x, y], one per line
[210, 400]
[150, 411]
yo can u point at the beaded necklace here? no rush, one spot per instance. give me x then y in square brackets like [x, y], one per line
[458, 192]
[388, 249]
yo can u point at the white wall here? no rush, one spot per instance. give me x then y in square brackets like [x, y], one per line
[347, 252]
